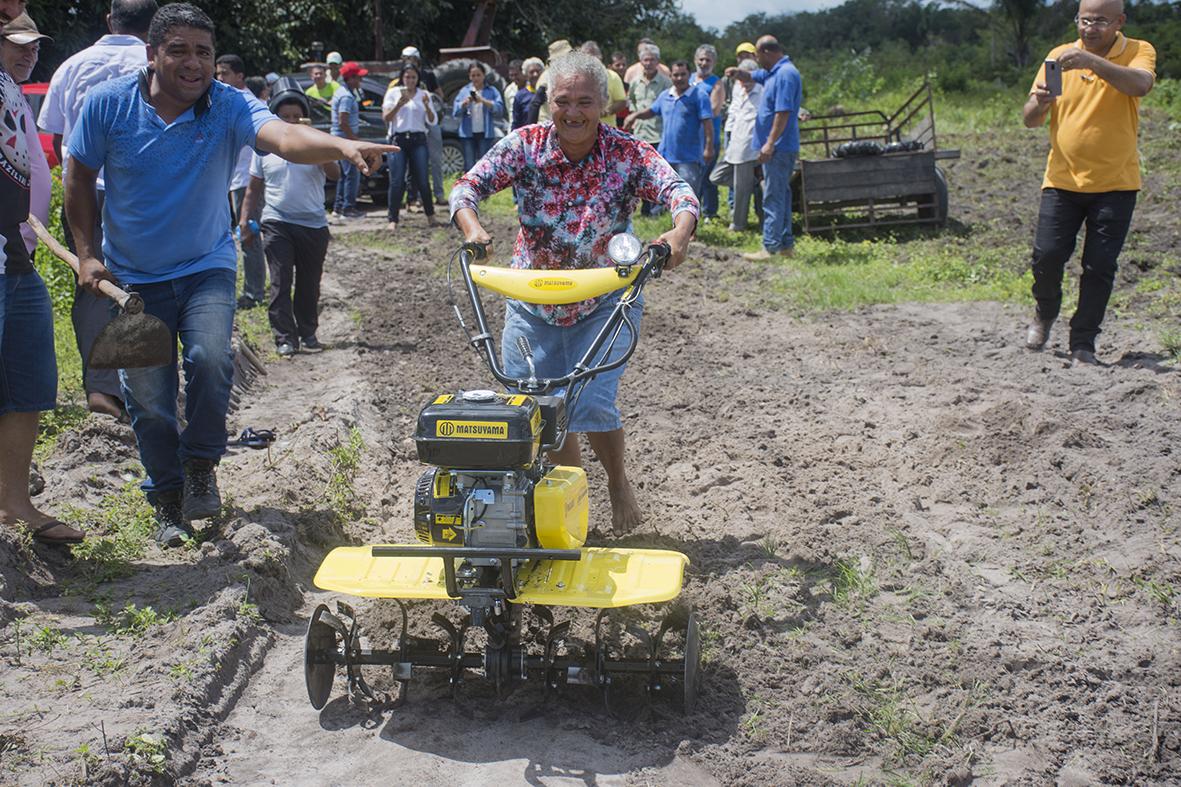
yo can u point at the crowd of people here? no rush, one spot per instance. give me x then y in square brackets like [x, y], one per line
[156, 152]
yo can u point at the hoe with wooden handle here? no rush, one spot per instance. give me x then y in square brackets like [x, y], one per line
[132, 340]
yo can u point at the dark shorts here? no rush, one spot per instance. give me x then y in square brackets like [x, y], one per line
[28, 365]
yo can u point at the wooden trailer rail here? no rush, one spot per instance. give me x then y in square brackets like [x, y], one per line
[903, 187]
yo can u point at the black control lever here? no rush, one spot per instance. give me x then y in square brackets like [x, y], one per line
[527, 353]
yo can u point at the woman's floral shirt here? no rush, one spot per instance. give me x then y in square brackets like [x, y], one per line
[570, 210]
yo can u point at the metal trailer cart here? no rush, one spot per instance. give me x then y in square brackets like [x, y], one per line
[891, 188]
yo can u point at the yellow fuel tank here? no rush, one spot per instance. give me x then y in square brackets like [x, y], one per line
[561, 508]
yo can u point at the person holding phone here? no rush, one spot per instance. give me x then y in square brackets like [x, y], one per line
[477, 104]
[1093, 169]
[408, 110]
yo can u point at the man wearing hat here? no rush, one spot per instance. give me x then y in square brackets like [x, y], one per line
[28, 369]
[345, 115]
[334, 61]
[20, 48]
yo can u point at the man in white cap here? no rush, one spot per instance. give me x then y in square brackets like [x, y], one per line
[334, 61]
[434, 136]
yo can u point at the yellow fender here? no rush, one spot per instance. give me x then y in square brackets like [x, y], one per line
[603, 578]
[551, 287]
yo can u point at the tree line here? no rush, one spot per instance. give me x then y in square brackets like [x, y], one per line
[965, 40]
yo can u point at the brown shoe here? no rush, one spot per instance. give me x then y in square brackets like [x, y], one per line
[1083, 357]
[1037, 334]
[788, 252]
[758, 256]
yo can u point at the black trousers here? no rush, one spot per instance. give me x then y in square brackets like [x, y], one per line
[295, 255]
[1107, 216]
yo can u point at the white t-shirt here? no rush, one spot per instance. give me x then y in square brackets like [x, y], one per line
[111, 57]
[294, 192]
[242, 169]
[476, 110]
[412, 116]
[740, 123]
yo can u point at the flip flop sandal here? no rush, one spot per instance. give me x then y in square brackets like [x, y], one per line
[252, 438]
[39, 534]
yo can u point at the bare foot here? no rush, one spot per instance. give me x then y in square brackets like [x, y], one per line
[625, 511]
[104, 404]
[32, 519]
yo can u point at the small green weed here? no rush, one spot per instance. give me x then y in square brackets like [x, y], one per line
[147, 749]
[47, 639]
[131, 620]
[99, 658]
[853, 581]
[340, 492]
[182, 672]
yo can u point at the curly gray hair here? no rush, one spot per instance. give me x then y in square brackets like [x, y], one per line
[576, 64]
[708, 49]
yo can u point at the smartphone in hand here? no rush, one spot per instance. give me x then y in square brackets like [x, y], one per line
[1054, 77]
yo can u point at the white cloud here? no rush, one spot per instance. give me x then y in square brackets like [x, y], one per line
[711, 13]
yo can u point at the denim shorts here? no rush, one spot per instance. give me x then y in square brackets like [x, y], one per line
[555, 351]
[28, 365]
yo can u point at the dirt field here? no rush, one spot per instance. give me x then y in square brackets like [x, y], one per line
[919, 554]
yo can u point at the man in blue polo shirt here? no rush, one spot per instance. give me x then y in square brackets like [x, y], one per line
[687, 138]
[777, 137]
[168, 139]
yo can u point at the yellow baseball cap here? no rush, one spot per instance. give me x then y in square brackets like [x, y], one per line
[746, 46]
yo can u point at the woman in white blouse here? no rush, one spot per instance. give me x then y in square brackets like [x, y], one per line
[407, 110]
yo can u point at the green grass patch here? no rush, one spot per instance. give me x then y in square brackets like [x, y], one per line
[118, 533]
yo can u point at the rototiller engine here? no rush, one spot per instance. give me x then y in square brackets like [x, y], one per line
[500, 528]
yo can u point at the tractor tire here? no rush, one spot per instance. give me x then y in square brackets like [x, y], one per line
[452, 157]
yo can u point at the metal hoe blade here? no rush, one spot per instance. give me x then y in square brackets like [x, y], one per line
[133, 340]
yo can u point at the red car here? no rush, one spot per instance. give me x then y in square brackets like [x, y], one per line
[35, 95]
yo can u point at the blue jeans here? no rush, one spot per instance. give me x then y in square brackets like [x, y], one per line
[415, 154]
[474, 148]
[347, 187]
[777, 201]
[199, 309]
[557, 348]
[254, 266]
[709, 190]
[28, 366]
[691, 173]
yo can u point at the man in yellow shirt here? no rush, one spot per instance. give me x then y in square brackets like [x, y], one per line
[322, 88]
[1093, 170]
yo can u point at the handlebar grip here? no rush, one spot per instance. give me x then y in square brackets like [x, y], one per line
[477, 250]
[659, 253]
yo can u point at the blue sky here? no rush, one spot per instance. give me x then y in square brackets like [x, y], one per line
[719, 13]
